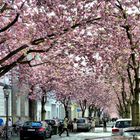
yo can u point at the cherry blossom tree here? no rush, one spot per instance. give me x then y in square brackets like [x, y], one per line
[117, 37]
[122, 25]
[32, 27]
[95, 34]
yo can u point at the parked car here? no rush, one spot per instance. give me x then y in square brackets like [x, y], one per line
[120, 125]
[54, 124]
[83, 124]
[33, 129]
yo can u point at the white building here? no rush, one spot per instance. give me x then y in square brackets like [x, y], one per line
[53, 109]
[4, 81]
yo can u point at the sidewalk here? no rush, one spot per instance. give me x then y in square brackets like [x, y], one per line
[98, 133]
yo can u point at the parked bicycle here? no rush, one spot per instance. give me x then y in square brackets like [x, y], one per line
[3, 133]
[17, 126]
[16, 129]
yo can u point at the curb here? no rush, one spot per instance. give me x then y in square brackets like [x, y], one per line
[104, 138]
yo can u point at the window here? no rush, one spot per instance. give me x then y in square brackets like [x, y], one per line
[81, 121]
[123, 124]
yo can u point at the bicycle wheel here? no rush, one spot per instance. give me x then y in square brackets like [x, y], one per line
[3, 135]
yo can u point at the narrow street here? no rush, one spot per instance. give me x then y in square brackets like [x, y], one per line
[80, 135]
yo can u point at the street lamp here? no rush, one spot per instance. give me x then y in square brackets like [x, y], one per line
[6, 95]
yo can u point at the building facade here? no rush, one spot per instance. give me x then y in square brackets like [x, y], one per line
[53, 109]
[5, 80]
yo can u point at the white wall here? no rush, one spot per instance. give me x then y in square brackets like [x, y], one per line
[3, 104]
[53, 110]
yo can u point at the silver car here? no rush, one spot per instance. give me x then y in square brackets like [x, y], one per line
[83, 124]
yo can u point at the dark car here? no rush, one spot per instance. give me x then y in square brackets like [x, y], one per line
[54, 124]
[32, 129]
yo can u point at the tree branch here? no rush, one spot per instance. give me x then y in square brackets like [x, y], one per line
[5, 69]
[51, 36]
[10, 24]
[2, 40]
[13, 53]
[3, 8]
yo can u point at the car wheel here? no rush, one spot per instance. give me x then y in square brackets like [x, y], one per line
[42, 138]
[50, 135]
[21, 138]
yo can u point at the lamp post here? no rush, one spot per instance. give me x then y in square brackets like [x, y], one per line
[6, 95]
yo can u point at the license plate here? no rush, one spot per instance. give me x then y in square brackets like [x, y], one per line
[31, 129]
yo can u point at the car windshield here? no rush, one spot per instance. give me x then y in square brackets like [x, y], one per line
[81, 121]
[123, 124]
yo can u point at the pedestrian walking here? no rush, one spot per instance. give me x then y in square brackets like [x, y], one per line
[9, 127]
[65, 127]
[74, 125]
[9, 122]
[93, 125]
[17, 125]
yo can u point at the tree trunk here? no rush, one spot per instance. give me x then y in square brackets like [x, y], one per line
[43, 111]
[90, 113]
[90, 110]
[32, 110]
[83, 113]
[43, 115]
[135, 113]
[135, 102]
[83, 106]
[66, 111]
[127, 113]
